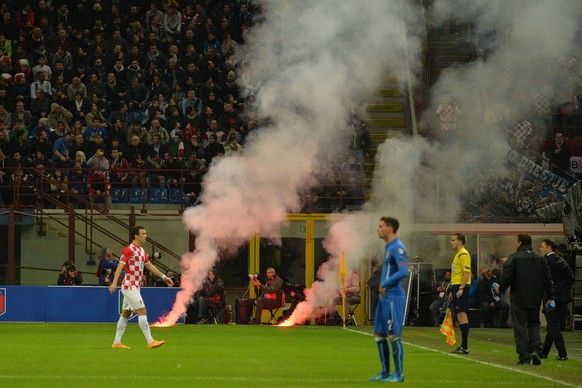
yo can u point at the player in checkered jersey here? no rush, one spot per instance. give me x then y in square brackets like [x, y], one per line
[133, 260]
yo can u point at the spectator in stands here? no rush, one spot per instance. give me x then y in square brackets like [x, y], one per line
[137, 95]
[192, 187]
[191, 101]
[42, 83]
[352, 176]
[61, 152]
[115, 93]
[215, 129]
[75, 87]
[193, 146]
[80, 160]
[447, 112]
[21, 114]
[157, 129]
[441, 303]
[98, 187]
[490, 301]
[40, 106]
[69, 275]
[272, 295]
[135, 148]
[22, 145]
[96, 143]
[157, 145]
[172, 170]
[212, 150]
[229, 117]
[58, 186]
[116, 132]
[137, 130]
[41, 159]
[120, 169]
[211, 297]
[96, 128]
[176, 147]
[98, 161]
[559, 154]
[94, 113]
[233, 147]
[59, 114]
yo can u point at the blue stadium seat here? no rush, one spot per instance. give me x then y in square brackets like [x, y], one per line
[119, 194]
[158, 195]
[175, 195]
[138, 195]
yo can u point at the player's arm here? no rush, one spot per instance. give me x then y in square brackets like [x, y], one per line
[399, 255]
[152, 268]
[118, 271]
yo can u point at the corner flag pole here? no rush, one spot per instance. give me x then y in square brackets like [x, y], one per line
[342, 277]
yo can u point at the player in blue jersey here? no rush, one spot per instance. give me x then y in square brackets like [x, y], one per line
[389, 317]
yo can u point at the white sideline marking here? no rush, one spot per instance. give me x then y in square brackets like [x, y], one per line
[477, 361]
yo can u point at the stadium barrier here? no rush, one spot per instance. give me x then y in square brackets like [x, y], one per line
[77, 304]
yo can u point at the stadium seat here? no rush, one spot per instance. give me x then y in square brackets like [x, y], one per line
[119, 195]
[158, 195]
[175, 195]
[138, 195]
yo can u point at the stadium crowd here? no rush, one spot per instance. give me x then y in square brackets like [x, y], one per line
[123, 93]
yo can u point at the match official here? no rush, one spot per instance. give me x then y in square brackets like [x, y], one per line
[460, 278]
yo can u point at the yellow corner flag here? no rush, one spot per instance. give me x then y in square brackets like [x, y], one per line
[342, 268]
[448, 329]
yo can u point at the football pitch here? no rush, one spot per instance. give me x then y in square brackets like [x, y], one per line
[80, 355]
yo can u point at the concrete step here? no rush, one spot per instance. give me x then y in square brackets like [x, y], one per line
[385, 108]
[386, 123]
[388, 92]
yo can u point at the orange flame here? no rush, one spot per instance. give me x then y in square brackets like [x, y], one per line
[163, 322]
[286, 323]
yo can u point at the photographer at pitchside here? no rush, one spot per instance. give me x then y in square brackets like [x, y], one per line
[69, 275]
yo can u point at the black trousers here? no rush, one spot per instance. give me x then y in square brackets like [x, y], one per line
[554, 330]
[526, 330]
[488, 312]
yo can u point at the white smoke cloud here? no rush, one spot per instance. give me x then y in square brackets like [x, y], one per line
[309, 56]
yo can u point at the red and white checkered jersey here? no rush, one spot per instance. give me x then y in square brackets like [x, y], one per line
[135, 258]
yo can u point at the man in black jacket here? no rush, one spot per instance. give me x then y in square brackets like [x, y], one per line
[563, 278]
[528, 275]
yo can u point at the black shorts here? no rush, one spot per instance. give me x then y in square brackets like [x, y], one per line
[460, 305]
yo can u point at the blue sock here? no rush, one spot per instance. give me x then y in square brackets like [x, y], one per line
[398, 353]
[384, 352]
[465, 335]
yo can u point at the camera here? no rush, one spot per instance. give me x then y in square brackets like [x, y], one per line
[105, 272]
[71, 268]
[156, 256]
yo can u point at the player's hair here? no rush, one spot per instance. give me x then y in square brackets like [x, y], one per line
[460, 237]
[135, 231]
[551, 243]
[392, 222]
[524, 239]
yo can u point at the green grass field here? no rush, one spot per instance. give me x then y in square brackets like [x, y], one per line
[80, 355]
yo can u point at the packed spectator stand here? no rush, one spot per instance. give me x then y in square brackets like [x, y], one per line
[106, 102]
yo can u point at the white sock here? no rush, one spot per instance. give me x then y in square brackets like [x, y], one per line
[145, 327]
[121, 325]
